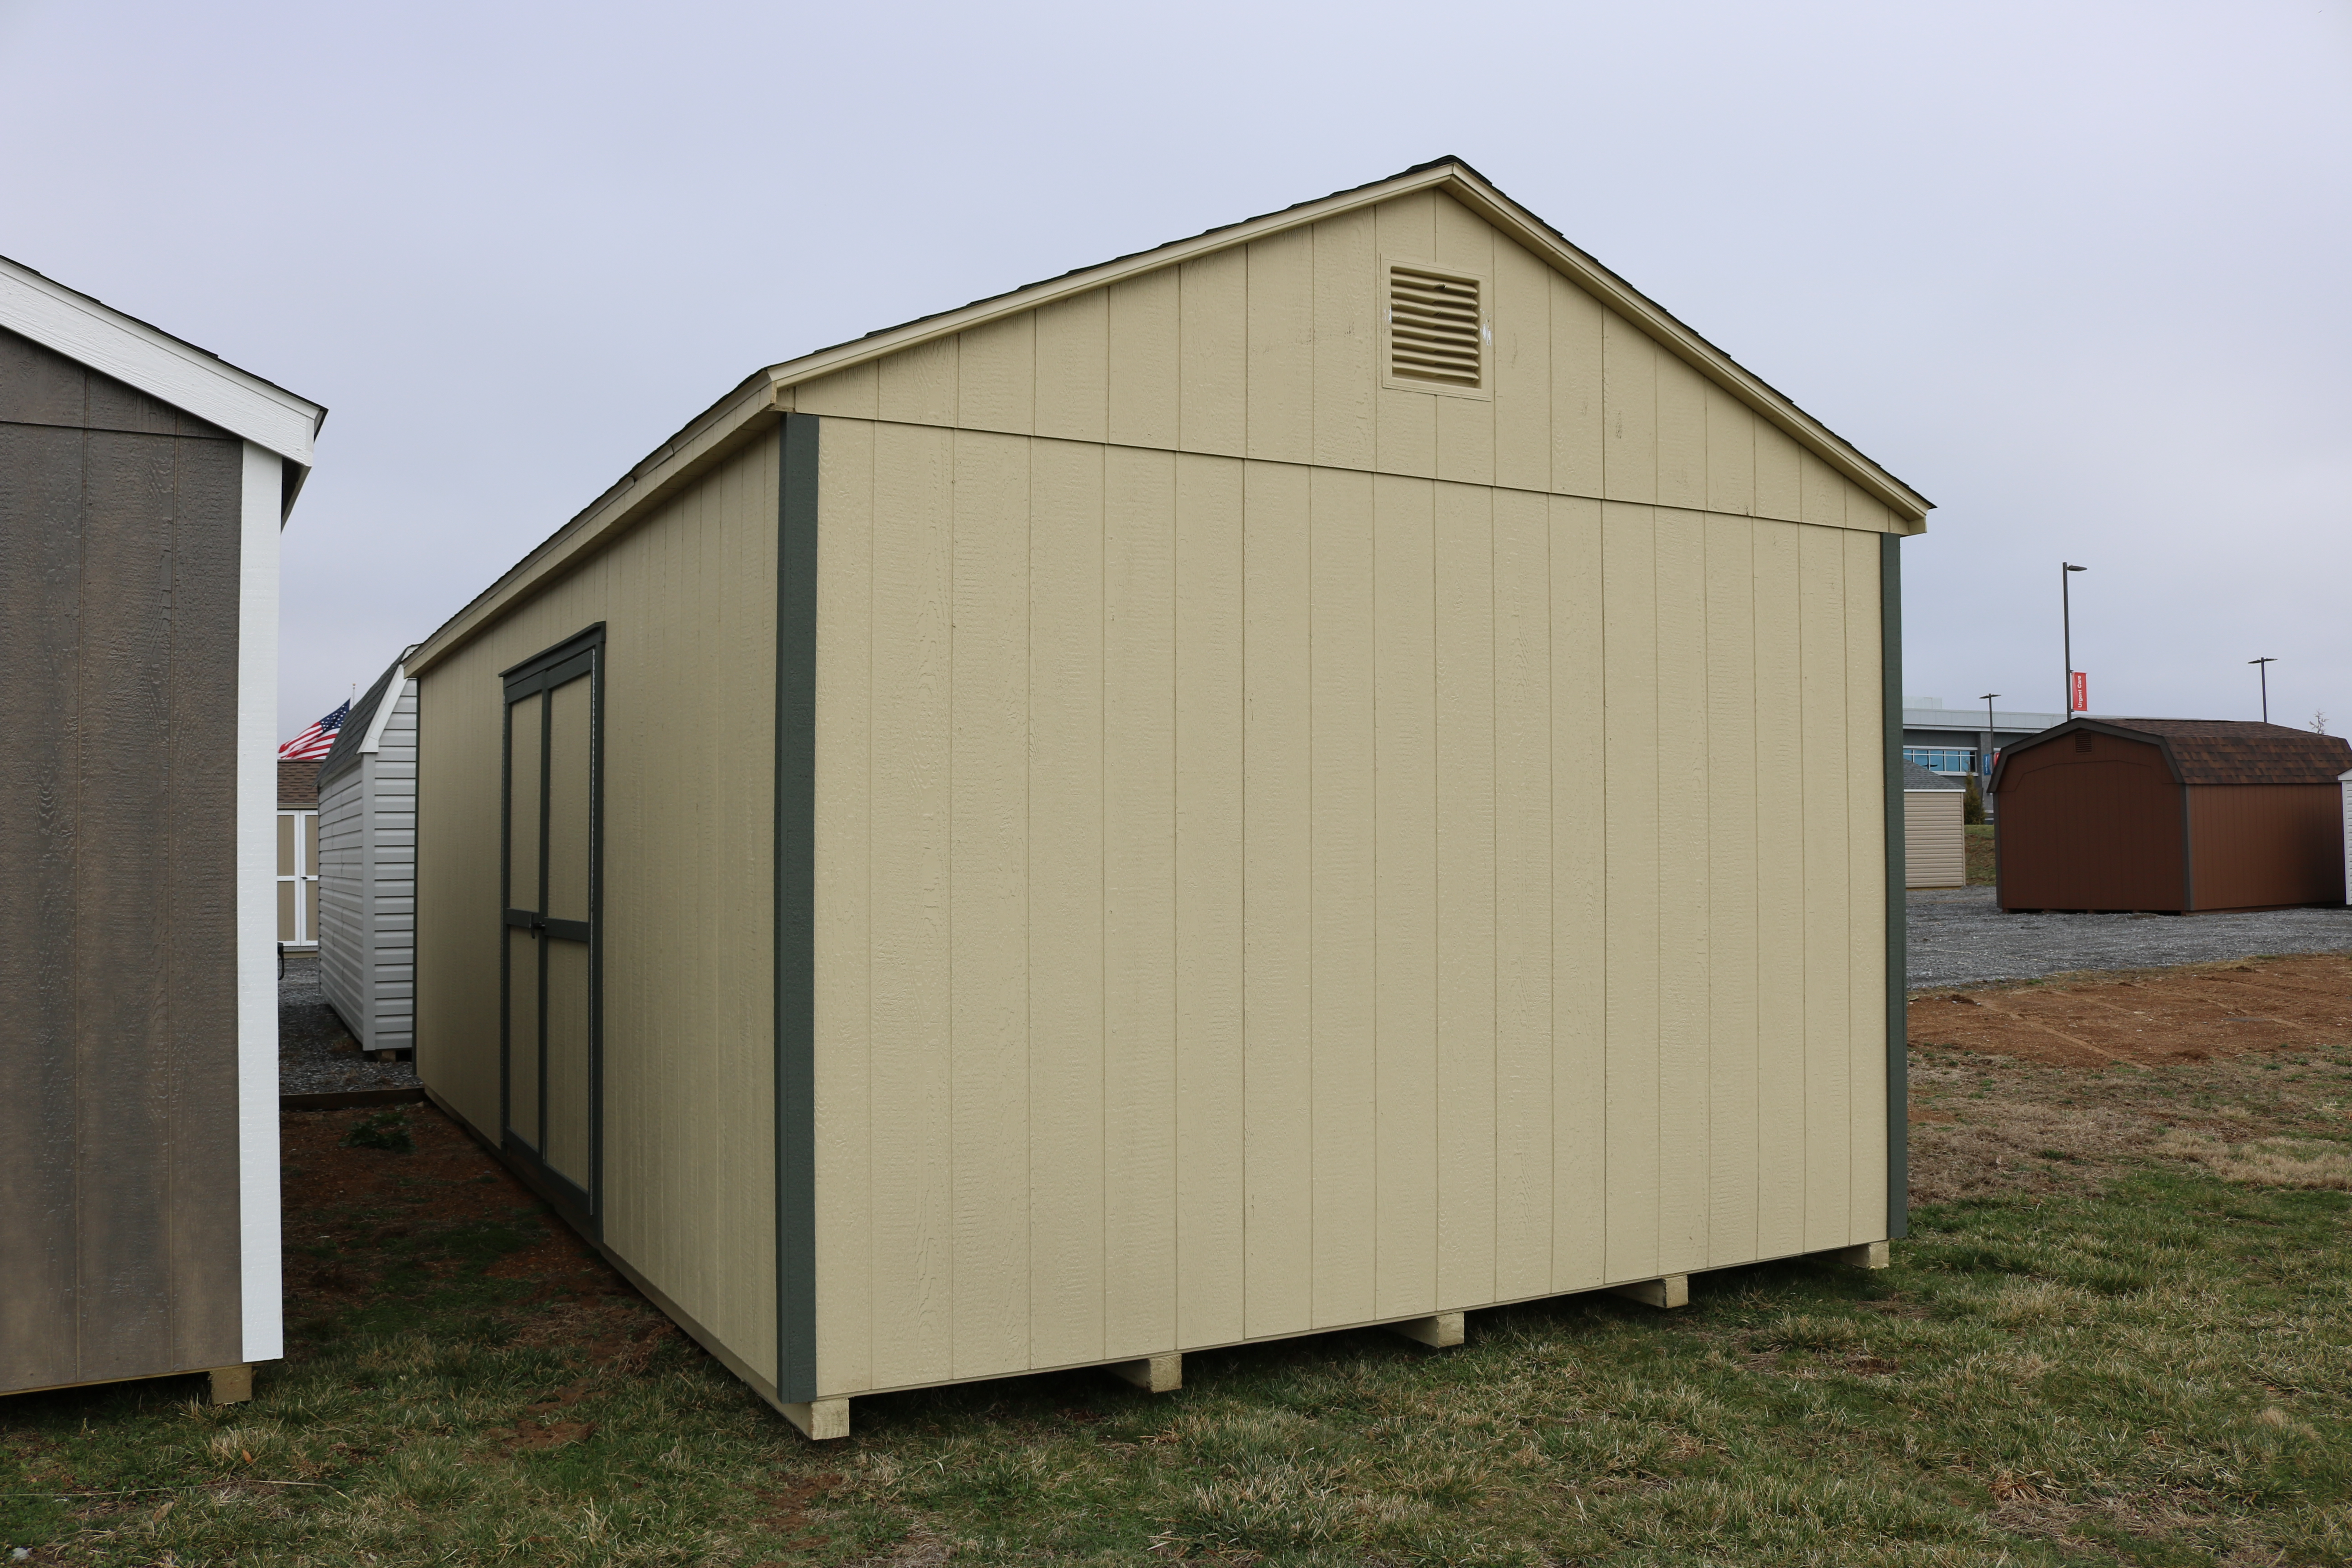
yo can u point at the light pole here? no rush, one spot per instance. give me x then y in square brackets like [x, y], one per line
[2066, 621]
[1984, 764]
[2264, 664]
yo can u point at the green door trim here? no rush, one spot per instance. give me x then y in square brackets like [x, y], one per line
[578, 655]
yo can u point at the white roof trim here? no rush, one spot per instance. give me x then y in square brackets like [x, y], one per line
[395, 691]
[157, 363]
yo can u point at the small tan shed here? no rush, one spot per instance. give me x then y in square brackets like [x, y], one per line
[1334, 773]
[1935, 829]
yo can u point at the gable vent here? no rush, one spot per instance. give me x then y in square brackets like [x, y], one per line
[1435, 328]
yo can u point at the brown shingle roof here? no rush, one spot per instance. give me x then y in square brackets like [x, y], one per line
[298, 786]
[2229, 752]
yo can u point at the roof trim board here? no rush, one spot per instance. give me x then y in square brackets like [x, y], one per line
[726, 424]
[157, 363]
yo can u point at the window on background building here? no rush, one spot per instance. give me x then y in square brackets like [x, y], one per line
[1943, 759]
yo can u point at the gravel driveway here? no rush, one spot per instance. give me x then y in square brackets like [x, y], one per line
[1960, 936]
[316, 1055]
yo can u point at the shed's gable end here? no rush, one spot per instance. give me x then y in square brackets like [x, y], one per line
[1282, 348]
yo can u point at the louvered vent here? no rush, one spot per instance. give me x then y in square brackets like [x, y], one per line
[1435, 329]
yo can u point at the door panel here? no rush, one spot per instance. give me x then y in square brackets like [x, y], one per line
[551, 918]
[568, 710]
[523, 1035]
[567, 1149]
[567, 802]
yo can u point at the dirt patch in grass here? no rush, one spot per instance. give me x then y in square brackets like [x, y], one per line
[2244, 1069]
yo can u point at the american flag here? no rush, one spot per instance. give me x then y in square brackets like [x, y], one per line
[313, 742]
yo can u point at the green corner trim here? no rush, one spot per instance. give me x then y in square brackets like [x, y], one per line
[795, 1004]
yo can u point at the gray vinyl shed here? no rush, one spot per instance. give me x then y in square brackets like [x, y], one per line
[143, 482]
[367, 867]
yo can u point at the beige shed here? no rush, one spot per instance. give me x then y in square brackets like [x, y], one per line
[1335, 773]
[1935, 829]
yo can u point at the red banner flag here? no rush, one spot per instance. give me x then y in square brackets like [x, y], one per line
[2081, 696]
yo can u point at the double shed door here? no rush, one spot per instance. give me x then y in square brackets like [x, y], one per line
[551, 1070]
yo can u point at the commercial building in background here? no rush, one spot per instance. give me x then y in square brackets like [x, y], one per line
[1957, 741]
[2173, 816]
[1334, 773]
[142, 485]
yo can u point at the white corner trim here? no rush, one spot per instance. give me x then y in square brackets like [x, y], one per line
[156, 363]
[394, 691]
[259, 1243]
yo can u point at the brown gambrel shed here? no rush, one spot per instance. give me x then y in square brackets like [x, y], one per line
[2170, 815]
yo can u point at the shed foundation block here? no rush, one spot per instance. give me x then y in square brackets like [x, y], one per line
[231, 1384]
[1153, 1374]
[1443, 1331]
[1668, 1290]
[820, 1420]
[1869, 1255]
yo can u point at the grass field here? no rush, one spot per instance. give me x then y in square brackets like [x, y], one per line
[2118, 1335]
[1980, 855]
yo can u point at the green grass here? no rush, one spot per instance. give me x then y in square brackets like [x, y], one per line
[1983, 865]
[2155, 1372]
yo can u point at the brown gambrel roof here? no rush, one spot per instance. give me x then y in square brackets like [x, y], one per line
[2224, 751]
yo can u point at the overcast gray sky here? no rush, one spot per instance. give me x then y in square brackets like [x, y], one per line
[2078, 273]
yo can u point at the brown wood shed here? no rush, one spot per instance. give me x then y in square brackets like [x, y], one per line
[142, 485]
[2170, 815]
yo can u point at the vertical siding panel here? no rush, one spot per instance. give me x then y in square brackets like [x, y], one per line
[913, 1270]
[1730, 453]
[1142, 374]
[1582, 766]
[1346, 341]
[1577, 437]
[853, 394]
[988, 902]
[1522, 361]
[1523, 896]
[1209, 826]
[1682, 434]
[996, 375]
[1866, 879]
[1828, 928]
[1345, 831]
[1780, 773]
[1281, 401]
[1732, 910]
[1277, 902]
[1404, 896]
[1138, 902]
[1630, 737]
[1629, 374]
[1212, 355]
[918, 386]
[1074, 367]
[1821, 493]
[1776, 473]
[1405, 422]
[1684, 958]
[1466, 748]
[844, 831]
[1065, 904]
[1466, 426]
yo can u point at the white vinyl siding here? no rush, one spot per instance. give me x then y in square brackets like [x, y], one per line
[367, 901]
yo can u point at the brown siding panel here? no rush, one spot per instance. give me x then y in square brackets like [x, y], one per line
[2096, 830]
[120, 523]
[2257, 846]
[40, 586]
